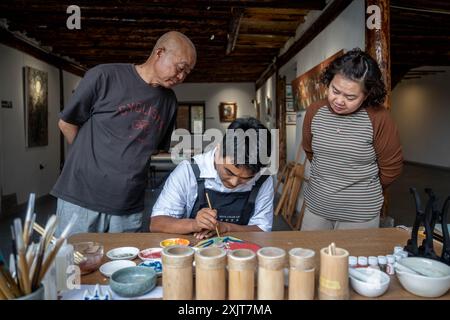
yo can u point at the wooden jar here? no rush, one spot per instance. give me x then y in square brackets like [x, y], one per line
[210, 282]
[333, 282]
[271, 261]
[177, 276]
[241, 274]
[301, 274]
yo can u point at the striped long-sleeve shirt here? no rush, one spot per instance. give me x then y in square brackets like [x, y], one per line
[353, 158]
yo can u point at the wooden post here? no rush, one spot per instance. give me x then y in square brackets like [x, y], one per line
[378, 44]
[281, 118]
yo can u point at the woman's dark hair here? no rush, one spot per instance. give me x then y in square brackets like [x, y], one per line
[237, 143]
[361, 67]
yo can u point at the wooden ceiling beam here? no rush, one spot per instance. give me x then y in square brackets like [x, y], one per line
[268, 25]
[18, 43]
[278, 11]
[198, 4]
[235, 23]
[274, 17]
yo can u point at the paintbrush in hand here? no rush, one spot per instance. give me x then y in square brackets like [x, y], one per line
[210, 206]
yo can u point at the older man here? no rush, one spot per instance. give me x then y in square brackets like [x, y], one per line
[118, 116]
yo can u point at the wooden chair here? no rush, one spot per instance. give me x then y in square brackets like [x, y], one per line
[291, 190]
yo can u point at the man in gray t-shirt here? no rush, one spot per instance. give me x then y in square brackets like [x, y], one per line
[119, 115]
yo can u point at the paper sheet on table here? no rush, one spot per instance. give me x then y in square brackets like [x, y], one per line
[77, 294]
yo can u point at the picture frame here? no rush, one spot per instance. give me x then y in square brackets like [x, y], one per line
[290, 105]
[36, 107]
[289, 94]
[291, 118]
[307, 88]
[227, 111]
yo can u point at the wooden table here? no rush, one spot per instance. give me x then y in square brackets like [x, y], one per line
[358, 242]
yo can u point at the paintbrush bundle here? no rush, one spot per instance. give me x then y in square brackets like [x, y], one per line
[29, 262]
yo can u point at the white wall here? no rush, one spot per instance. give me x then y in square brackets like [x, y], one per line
[20, 165]
[421, 109]
[215, 93]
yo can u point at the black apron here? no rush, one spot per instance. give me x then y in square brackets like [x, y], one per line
[233, 207]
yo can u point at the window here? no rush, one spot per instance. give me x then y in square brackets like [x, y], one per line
[191, 116]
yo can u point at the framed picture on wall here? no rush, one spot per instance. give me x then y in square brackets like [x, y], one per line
[291, 118]
[36, 107]
[307, 88]
[227, 111]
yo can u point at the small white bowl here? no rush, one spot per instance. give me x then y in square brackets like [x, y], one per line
[109, 268]
[376, 286]
[424, 286]
[123, 253]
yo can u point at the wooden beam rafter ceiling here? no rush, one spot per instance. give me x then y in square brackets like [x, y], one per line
[235, 39]
[420, 35]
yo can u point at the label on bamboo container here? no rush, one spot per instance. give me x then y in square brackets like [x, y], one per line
[329, 284]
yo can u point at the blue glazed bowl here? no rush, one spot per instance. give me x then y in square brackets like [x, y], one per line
[133, 281]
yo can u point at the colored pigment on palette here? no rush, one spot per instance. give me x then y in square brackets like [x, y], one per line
[228, 243]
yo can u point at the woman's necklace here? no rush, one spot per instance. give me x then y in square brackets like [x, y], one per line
[342, 123]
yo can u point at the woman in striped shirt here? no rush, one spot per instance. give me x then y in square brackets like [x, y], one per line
[353, 146]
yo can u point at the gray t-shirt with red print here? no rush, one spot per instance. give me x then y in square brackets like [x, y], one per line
[122, 120]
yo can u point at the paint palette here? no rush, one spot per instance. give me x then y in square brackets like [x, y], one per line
[228, 243]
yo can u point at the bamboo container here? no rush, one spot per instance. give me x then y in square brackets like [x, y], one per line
[271, 261]
[177, 275]
[333, 282]
[301, 274]
[210, 282]
[241, 274]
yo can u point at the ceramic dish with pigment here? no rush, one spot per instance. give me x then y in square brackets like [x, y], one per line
[150, 253]
[123, 253]
[155, 264]
[174, 242]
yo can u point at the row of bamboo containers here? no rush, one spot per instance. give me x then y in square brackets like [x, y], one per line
[243, 266]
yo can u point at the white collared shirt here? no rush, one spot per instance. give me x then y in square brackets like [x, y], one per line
[180, 192]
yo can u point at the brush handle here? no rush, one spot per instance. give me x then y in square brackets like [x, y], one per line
[48, 261]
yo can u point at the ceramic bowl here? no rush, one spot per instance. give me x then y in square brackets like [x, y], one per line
[133, 281]
[174, 242]
[435, 285]
[92, 256]
[123, 253]
[377, 284]
[109, 268]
